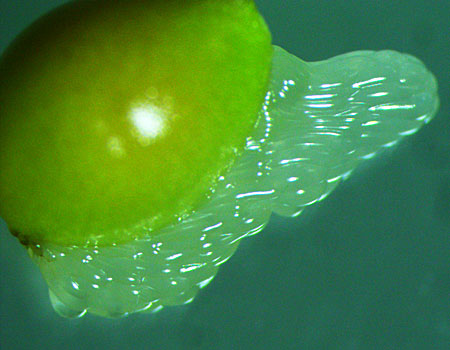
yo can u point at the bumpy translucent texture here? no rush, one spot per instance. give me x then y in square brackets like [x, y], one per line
[318, 122]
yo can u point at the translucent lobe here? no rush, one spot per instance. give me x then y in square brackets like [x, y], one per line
[355, 105]
[319, 120]
[120, 115]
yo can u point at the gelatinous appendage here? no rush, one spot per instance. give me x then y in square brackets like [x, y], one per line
[318, 122]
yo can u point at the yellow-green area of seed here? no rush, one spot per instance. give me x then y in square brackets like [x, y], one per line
[116, 117]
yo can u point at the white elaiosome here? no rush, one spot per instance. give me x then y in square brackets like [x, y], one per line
[305, 142]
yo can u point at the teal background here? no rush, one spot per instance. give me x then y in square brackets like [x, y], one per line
[368, 268]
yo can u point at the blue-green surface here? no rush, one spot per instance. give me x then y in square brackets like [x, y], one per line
[368, 268]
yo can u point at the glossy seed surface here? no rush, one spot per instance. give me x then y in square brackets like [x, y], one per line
[117, 117]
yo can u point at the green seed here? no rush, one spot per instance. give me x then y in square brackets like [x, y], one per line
[117, 117]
